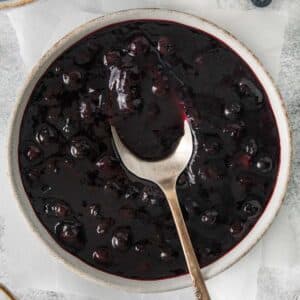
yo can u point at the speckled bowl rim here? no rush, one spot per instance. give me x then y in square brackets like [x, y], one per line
[262, 224]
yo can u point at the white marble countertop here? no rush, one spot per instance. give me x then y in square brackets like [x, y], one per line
[271, 271]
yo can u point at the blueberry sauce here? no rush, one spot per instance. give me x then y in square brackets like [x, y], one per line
[143, 77]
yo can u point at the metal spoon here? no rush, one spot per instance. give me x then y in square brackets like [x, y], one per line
[12, 3]
[6, 293]
[165, 174]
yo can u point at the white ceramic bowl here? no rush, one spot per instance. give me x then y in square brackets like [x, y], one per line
[280, 115]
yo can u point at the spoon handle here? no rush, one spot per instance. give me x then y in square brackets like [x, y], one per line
[4, 290]
[188, 249]
[10, 4]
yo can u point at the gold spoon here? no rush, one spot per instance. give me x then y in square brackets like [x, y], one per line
[10, 4]
[8, 295]
[165, 174]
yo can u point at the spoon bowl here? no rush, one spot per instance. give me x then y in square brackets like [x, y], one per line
[162, 170]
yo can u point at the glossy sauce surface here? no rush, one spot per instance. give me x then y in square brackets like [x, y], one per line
[143, 78]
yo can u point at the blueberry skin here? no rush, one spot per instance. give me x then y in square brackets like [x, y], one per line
[261, 3]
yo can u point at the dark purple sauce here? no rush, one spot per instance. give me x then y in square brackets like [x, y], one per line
[143, 77]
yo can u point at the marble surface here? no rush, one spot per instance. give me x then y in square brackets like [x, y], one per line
[271, 271]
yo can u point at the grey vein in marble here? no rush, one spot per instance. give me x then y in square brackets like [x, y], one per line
[2, 228]
[289, 84]
[48, 295]
[11, 71]
[277, 284]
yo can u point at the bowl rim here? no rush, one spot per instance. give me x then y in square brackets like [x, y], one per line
[277, 105]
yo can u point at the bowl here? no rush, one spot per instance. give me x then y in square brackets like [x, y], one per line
[280, 116]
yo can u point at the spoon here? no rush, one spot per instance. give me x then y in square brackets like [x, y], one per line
[10, 4]
[165, 174]
[5, 293]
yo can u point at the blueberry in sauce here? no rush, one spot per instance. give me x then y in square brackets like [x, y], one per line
[121, 239]
[261, 3]
[32, 152]
[57, 208]
[80, 147]
[46, 134]
[252, 208]
[250, 147]
[70, 233]
[102, 256]
[145, 78]
[264, 164]
[209, 217]
[104, 225]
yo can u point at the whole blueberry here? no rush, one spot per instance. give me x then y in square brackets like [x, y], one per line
[236, 229]
[252, 208]
[102, 256]
[232, 110]
[167, 254]
[95, 210]
[160, 86]
[57, 208]
[86, 110]
[69, 128]
[112, 58]
[73, 80]
[138, 46]
[264, 164]
[108, 167]
[165, 46]
[140, 247]
[33, 152]
[46, 134]
[70, 233]
[104, 225]
[261, 3]
[252, 97]
[209, 217]
[80, 147]
[250, 147]
[121, 239]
